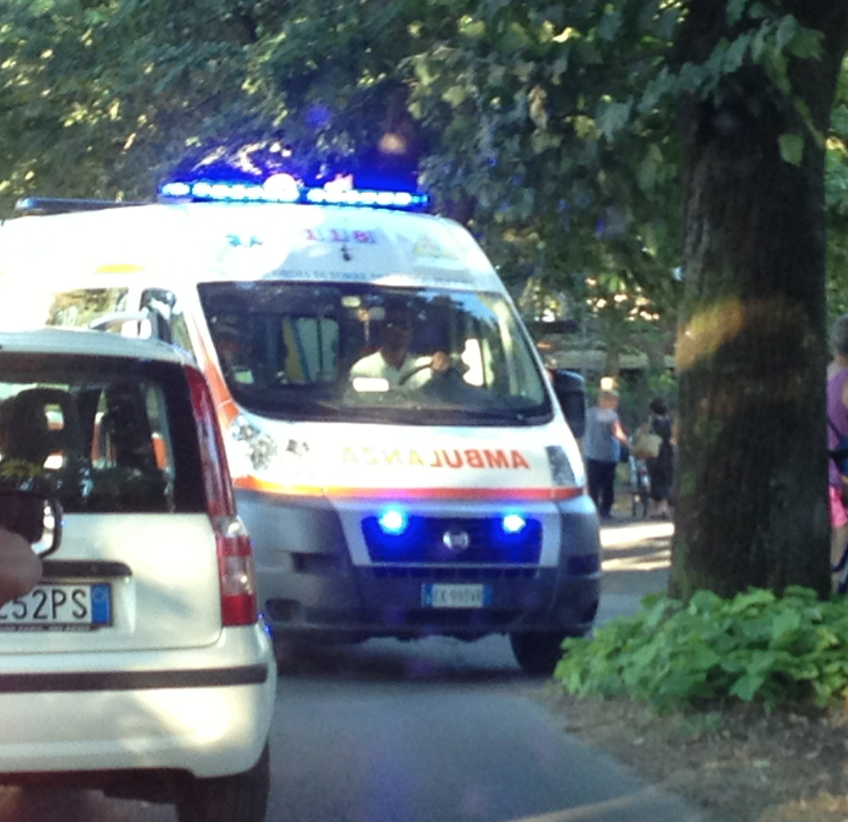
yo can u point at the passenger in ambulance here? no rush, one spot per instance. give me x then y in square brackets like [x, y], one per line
[392, 362]
[231, 349]
[244, 354]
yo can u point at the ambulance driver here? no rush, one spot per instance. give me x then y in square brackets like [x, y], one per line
[392, 362]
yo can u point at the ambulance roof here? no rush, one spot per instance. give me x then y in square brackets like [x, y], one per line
[200, 242]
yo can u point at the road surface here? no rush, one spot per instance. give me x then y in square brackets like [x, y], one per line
[432, 731]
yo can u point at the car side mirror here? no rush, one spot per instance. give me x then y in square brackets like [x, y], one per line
[570, 389]
[35, 516]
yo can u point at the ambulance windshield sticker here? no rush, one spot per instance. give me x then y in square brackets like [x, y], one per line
[426, 246]
[243, 240]
[340, 235]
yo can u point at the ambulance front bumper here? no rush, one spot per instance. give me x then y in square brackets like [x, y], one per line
[316, 581]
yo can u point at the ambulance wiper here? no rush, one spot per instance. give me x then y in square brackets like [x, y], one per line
[513, 415]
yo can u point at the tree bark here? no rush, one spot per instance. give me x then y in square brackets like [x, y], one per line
[751, 498]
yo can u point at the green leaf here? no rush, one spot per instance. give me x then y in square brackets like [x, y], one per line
[455, 95]
[612, 117]
[785, 622]
[747, 687]
[668, 23]
[792, 148]
[787, 30]
[734, 11]
[492, 7]
[609, 26]
[759, 44]
[544, 140]
[705, 601]
[777, 66]
[807, 44]
[735, 54]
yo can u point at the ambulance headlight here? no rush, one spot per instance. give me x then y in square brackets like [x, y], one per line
[393, 521]
[562, 474]
[258, 446]
[513, 524]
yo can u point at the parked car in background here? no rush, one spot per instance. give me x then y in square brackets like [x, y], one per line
[138, 664]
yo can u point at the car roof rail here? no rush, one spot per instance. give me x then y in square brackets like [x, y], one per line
[63, 205]
[106, 321]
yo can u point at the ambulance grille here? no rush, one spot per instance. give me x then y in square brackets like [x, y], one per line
[454, 540]
[441, 574]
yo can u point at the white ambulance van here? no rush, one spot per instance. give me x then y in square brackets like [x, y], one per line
[398, 450]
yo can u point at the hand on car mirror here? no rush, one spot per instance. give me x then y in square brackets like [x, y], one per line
[20, 567]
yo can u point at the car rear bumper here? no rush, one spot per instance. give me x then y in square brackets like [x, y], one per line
[205, 711]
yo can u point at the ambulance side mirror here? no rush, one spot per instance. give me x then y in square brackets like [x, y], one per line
[570, 389]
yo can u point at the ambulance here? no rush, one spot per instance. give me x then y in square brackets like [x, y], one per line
[399, 452]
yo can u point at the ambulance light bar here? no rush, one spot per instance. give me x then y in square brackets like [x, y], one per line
[283, 188]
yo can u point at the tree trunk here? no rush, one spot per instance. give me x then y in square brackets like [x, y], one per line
[751, 465]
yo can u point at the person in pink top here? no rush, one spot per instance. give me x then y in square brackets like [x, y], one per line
[837, 416]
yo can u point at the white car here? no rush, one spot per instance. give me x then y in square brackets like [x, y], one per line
[139, 665]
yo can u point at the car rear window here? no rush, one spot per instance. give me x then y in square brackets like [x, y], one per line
[104, 435]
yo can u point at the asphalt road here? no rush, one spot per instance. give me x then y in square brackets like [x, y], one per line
[432, 731]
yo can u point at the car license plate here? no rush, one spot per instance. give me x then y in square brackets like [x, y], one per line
[60, 606]
[456, 596]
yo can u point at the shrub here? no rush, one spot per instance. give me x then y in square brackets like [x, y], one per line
[756, 647]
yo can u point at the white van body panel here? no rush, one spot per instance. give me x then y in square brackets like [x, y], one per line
[349, 455]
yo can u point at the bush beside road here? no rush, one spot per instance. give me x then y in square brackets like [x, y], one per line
[735, 760]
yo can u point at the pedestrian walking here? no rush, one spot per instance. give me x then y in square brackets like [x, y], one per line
[661, 466]
[602, 443]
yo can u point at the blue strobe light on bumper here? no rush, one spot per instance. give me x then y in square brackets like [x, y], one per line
[393, 521]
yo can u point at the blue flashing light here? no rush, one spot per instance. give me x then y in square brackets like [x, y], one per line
[283, 188]
[393, 521]
[513, 523]
[175, 189]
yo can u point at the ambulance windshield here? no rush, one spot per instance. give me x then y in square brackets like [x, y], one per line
[372, 353]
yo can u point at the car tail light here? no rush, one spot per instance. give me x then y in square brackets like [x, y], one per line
[235, 553]
[237, 574]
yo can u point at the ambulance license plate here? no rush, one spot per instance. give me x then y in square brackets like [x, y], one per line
[456, 596]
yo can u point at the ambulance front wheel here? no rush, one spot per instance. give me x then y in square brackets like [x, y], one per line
[538, 652]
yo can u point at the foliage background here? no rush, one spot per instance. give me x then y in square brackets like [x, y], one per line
[548, 129]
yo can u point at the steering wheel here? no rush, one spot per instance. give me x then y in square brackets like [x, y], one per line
[451, 368]
[416, 370]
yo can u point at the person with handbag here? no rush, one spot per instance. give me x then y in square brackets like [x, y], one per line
[837, 430]
[602, 442]
[661, 461]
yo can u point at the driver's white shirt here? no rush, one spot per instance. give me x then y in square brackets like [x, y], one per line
[375, 365]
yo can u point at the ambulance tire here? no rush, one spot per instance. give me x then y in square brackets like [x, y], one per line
[538, 652]
[295, 653]
[242, 797]
[290, 654]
